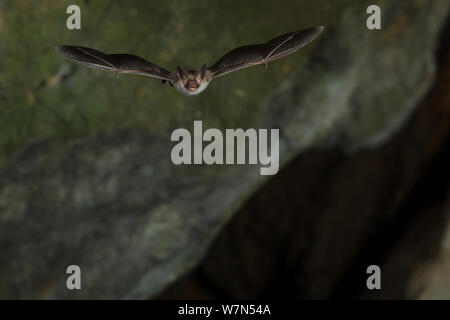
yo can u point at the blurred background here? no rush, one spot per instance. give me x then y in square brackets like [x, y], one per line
[86, 176]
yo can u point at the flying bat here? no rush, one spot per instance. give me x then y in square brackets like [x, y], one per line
[194, 81]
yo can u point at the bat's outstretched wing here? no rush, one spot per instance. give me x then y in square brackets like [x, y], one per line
[120, 63]
[264, 53]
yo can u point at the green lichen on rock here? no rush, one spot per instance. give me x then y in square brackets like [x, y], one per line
[170, 33]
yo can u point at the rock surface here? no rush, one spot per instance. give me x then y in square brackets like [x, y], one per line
[312, 231]
[116, 206]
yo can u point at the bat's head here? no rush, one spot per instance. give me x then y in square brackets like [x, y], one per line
[191, 81]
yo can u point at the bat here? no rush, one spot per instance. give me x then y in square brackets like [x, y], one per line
[194, 81]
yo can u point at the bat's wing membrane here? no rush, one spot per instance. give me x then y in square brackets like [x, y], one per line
[120, 63]
[252, 55]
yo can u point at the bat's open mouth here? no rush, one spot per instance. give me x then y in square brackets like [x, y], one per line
[192, 85]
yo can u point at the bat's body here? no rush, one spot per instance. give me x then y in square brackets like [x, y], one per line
[190, 81]
[194, 81]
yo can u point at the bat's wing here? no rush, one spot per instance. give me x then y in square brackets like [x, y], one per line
[264, 53]
[120, 63]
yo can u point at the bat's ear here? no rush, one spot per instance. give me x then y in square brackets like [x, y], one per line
[203, 70]
[181, 73]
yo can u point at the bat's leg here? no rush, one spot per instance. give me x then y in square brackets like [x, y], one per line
[164, 81]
